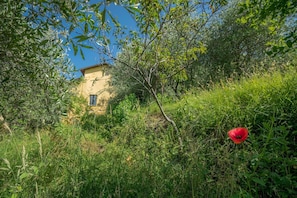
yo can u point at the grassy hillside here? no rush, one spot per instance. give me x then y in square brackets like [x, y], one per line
[135, 153]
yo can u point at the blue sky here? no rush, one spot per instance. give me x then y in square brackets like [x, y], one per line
[91, 56]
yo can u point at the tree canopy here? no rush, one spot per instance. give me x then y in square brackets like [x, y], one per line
[277, 13]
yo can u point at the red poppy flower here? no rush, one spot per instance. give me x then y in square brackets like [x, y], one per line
[238, 135]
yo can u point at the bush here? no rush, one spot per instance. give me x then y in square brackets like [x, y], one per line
[122, 110]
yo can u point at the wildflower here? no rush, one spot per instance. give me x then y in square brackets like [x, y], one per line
[238, 135]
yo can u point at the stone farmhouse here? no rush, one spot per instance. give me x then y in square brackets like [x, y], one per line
[95, 87]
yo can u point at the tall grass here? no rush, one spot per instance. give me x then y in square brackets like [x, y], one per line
[140, 156]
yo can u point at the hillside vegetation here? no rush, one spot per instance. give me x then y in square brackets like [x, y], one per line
[186, 74]
[135, 153]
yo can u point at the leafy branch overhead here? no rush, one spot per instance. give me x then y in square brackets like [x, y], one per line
[80, 21]
[277, 13]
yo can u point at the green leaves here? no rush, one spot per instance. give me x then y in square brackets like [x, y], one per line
[103, 14]
[81, 38]
[277, 12]
[33, 71]
[115, 22]
[82, 54]
[133, 10]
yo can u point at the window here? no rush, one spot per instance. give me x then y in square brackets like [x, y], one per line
[93, 100]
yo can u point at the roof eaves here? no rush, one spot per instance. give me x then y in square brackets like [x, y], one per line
[82, 70]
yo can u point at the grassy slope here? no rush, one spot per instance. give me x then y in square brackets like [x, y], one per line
[249, 103]
[142, 157]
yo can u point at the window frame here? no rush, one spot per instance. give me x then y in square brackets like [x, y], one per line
[93, 100]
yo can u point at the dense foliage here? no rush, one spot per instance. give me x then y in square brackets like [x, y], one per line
[34, 70]
[276, 12]
[233, 48]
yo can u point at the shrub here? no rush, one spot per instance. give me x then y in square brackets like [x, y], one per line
[122, 110]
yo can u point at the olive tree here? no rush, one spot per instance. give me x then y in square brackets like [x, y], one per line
[34, 70]
[157, 55]
[232, 47]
